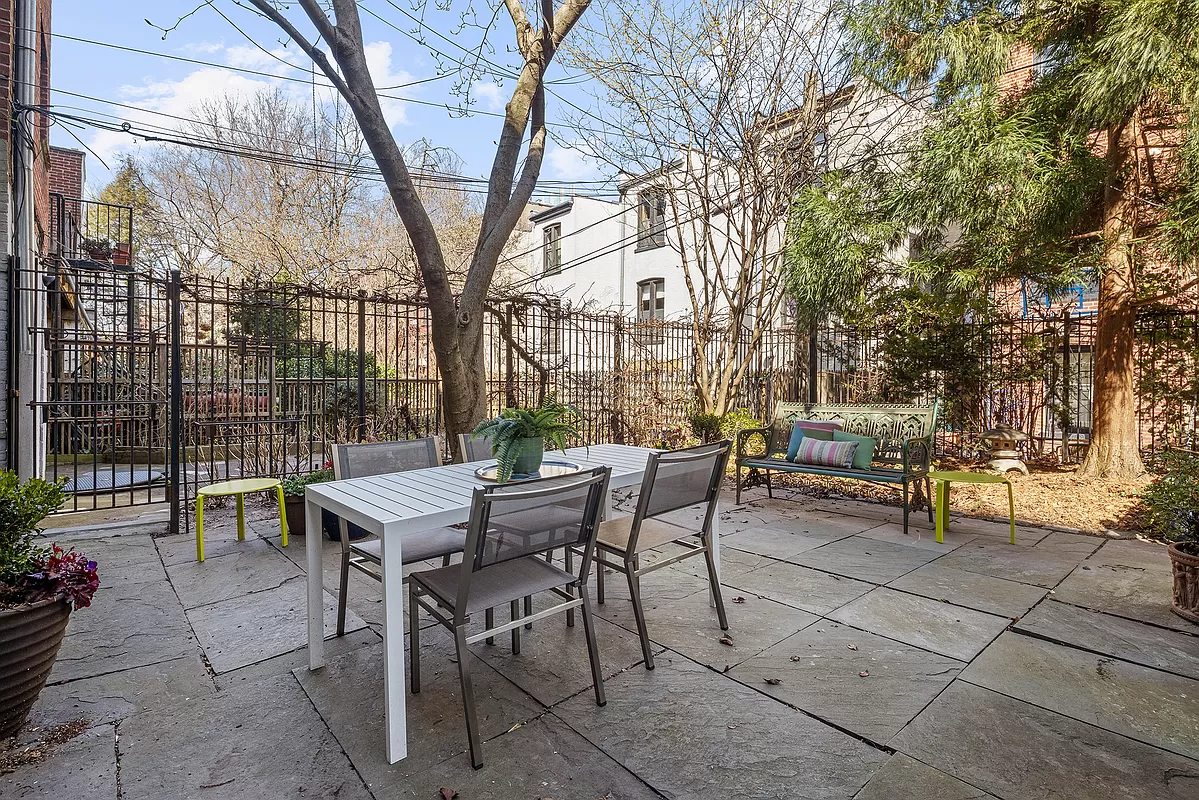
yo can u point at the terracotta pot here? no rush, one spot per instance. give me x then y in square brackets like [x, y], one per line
[1186, 584]
[29, 640]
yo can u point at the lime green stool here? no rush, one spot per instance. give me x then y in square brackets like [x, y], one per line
[944, 479]
[239, 488]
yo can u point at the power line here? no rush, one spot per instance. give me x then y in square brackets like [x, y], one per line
[209, 124]
[200, 62]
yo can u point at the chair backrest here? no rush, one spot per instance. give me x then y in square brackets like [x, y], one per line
[530, 518]
[474, 448]
[680, 479]
[379, 458]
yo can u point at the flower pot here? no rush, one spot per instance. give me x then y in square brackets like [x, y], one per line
[29, 640]
[120, 255]
[528, 456]
[1186, 583]
[293, 508]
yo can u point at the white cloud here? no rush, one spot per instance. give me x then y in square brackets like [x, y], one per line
[378, 61]
[202, 48]
[489, 93]
[571, 164]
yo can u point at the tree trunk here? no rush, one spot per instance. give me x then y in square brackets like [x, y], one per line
[458, 349]
[1115, 448]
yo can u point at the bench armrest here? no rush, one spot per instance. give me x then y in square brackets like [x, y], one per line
[917, 456]
[744, 435]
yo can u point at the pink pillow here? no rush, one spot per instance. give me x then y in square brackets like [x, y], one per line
[818, 424]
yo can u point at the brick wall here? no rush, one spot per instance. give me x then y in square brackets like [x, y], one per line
[1018, 78]
[66, 171]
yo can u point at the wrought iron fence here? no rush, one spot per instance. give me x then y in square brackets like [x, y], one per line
[261, 379]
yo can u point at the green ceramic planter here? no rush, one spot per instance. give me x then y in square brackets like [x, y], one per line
[529, 456]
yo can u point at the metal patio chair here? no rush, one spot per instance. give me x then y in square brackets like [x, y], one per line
[379, 458]
[512, 527]
[674, 480]
[474, 448]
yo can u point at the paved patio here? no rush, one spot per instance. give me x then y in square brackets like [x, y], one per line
[864, 664]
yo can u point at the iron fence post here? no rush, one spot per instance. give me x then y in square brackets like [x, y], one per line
[1065, 414]
[175, 331]
[362, 365]
[813, 367]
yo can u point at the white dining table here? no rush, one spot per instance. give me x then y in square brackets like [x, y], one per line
[399, 504]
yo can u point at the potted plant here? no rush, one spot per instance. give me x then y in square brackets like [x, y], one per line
[293, 497]
[518, 435]
[97, 249]
[38, 588]
[1172, 502]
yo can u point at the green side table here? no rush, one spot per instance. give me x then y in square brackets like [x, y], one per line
[944, 479]
[239, 488]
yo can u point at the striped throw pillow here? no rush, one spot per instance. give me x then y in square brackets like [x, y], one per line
[825, 454]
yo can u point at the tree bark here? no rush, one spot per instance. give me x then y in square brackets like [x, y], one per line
[1115, 447]
[456, 320]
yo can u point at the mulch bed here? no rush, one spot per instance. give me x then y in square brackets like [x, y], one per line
[1051, 495]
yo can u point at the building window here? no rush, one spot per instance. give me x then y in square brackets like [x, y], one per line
[651, 219]
[552, 249]
[551, 325]
[651, 300]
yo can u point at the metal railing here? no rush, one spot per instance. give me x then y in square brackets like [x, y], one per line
[261, 379]
[88, 231]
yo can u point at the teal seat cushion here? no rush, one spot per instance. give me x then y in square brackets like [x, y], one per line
[863, 456]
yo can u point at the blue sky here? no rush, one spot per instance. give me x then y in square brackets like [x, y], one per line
[145, 84]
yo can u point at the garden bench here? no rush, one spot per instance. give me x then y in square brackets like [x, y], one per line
[902, 456]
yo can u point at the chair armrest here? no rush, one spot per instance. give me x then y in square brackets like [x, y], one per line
[917, 456]
[743, 436]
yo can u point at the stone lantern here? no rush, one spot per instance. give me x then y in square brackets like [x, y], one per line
[1004, 441]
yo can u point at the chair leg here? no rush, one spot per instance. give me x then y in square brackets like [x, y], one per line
[639, 615]
[570, 567]
[468, 698]
[199, 528]
[528, 611]
[597, 676]
[737, 469]
[282, 516]
[769, 487]
[241, 518]
[714, 579]
[906, 507]
[928, 493]
[599, 581]
[445, 560]
[343, 591]
[414, 638]
[489, 622]
[1011, 510]
[515, 605]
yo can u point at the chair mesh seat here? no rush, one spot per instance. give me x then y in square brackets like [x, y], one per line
[615, 533]
[437, 543]
[496, 585]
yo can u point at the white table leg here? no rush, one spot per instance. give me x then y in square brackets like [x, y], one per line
[715, 534]
[395, 688]
[313, 545]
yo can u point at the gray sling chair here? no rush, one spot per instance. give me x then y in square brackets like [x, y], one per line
[379, 458]
[478, 448]
[673, 480]
[510, 531]
[474, 448]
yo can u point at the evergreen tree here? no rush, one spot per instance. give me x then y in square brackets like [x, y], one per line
[1086, 171]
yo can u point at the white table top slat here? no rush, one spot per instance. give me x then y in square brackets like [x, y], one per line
[423, 498]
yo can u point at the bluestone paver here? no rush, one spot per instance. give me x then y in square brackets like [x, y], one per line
[980, 592]
[1126, 578]
[801, 587]
[865, 559]
[905, 778]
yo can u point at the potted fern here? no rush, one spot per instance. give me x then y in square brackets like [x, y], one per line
[519, 435]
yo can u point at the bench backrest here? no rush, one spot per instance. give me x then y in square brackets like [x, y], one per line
[891, 425]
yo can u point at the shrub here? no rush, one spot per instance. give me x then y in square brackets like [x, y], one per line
[294, 486]
[706, 427]
[1172, 501]
[736, 420]
[28, 571]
